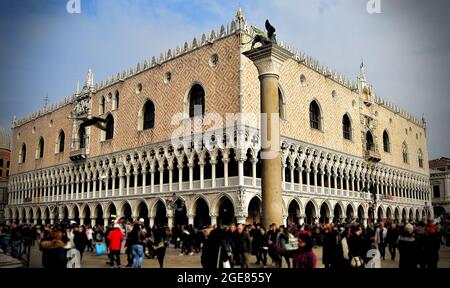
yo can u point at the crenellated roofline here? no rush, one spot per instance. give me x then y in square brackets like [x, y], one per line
[238, 24]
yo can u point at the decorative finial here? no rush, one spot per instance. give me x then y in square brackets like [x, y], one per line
[45, 101]
[89, 79]
[78, 87]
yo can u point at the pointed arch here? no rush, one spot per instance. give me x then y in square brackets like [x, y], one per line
[386, 142]
[405, 152]
[101, 105]
[40, 148]
[60, 142]
[146, 116]
[315, 115]
[23, 153]
[370, 144]
[347, 126]
[194, 103]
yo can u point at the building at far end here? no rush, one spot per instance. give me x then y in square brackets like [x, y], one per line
[5, 152]
[440, 184]
[347, 154]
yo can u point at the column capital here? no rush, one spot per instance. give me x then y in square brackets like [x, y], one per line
[268, 59]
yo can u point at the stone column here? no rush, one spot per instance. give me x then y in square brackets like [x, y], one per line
[269, 59]
[170, 168]
[191, 219]
[94, 186]
[81, 221]
[144, 173]
[213, 173]
[315, 180]
[213, 219]
[121, 183]
[128, 182]
[152, 179]
[105, 222]
[161, 177]
[191, 176]
[107, 185]
[202, 175]
[136, 174]
[301, 219]
[322, 178]
[93, 222]
[225, 171]
[180, 176]
[291, 168]
[151, 221]
[254, 162]
[170, 221]
[241, 171]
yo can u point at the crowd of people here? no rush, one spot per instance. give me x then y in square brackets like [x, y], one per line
[346, 245]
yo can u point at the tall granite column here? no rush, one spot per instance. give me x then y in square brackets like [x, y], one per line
[269, 60]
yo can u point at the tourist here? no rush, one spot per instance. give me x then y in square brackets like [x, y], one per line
[380, 239]
[115, 238]
[357, 247]
[330, 246]
[264, 247]
[136, 242]
[407, 247]
[432, 246]
[391, 239]
[304, 257]
[281, 240]
[89, 235]
[80, 240]
[243, 245]
[53, 254]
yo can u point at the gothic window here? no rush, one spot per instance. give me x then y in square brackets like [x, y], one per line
[420, 154]
[115, 101]
[196, 101]
[109, 127]
[347, 127]
[23, 153]
[82, 137]
[370, 146]
[405, 152]
[101, 108]
[314, 115]
[149, 115]
[40, 149]
[386, 143]
[60, 142]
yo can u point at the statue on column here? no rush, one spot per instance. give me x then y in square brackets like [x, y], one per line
[265, 38]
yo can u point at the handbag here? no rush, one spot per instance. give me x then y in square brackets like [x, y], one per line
[356, 262]
[100, 249]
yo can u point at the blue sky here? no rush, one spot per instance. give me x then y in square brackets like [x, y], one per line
[44, 50]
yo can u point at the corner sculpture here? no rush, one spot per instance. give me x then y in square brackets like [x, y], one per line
[265, 38]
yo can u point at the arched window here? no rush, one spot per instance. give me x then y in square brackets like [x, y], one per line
[101, 108]
[82, 137]
[109, 133]
[23, 153]
[347, 127]
[282, 104]
[370, 146]
[405, 152]
[115, 101]
[60, 142]
[149, 115]
[386, 143]
[196, 101]
[314, 116]
[40, 149]
[420, 156]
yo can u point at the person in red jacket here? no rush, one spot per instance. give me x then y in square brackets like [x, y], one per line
[115, 238]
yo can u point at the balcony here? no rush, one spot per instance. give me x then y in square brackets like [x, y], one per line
[372, 155]
[77, 155]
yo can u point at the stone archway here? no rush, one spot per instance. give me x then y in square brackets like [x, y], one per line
[254, 211]
[111, 212]
[47, 215]
[361, 214]
[31, 216]
[397, 214]
[76, 215]
[338, 214]
[293, 213]
[160, 214]
[310, 213]
[380, 215]
[389, 213]
[417, 215]
[86, 214]
[142, 213]
[324, 213]
[99, 217]
[411, 215]
[38, 216]
[350, 213]
[404, 215]
[226, 211]
[126, 212]
[202, 218]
